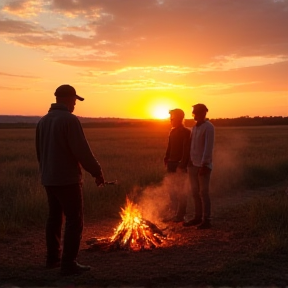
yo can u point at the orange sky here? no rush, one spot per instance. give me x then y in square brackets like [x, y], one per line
[140, 58]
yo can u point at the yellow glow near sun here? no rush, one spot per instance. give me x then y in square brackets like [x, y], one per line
[160, 112]
[158, 106]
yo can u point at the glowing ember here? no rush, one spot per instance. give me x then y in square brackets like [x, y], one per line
[133, 233]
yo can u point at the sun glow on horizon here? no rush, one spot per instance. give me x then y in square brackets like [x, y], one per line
[160, 112]
[159, 107]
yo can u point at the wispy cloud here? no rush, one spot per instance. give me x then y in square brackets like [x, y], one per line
[10, 28]
[170, 43]
[10, 88]
[17, 75]
[23, 8]
[183, 32]
[140, 84]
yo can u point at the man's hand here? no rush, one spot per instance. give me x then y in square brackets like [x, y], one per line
[204, 170]
[99, 180]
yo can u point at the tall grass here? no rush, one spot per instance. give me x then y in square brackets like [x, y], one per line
[268, 217]
[243, 158]
[250, 157]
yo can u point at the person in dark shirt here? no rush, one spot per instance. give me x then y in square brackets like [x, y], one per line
[62, 150]
[176, 160]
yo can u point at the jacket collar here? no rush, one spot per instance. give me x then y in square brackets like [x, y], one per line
[58, 106]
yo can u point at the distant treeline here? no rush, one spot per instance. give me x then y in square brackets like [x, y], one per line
[250, 121]
[219, 122]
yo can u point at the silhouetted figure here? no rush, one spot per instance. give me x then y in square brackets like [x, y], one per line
[61, 151]
[176, 163]
[199, 169]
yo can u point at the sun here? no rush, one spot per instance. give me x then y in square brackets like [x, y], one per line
[158, 107]
[160, 112]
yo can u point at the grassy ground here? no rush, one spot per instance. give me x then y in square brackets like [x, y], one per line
[247, 157]
[248, 242]
[235, 252]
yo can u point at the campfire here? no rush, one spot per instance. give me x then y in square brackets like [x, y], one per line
[133, 233]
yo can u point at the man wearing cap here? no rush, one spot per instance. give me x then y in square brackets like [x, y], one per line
[62, 149]
[176, 163]
[199, 170]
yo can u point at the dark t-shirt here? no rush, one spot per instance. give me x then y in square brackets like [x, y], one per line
[178, 146]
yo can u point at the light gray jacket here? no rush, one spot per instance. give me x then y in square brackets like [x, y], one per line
[202, 143]
[62, 148]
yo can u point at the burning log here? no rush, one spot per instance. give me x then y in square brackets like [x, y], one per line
[133, 233]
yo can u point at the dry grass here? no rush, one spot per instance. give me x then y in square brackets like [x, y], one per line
[246, 246]
[243, 158]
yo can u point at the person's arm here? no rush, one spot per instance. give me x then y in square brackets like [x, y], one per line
[37, 143]
[208, 148]
[167, 154]
[186, 150]
[81, 150]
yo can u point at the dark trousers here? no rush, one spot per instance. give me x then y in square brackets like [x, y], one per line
[68, 201]
[198, 202]
[178, 198]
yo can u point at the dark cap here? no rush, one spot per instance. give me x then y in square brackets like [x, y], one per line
[200, 107]
[177, 112]
[67, 90]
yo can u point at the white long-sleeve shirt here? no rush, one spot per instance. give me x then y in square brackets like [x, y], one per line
[202, 143]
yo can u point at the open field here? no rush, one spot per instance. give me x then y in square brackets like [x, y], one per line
[247, 157]
[246, 246]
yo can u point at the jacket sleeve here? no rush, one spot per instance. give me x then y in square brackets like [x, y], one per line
[208, 148]
[167, 154]
[37, 144]
[81, 149]
[186, 149]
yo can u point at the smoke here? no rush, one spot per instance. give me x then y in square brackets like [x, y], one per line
[154, 201]
[227, 176]
[228, 162]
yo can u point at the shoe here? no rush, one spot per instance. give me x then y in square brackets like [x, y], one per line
[74, 268]
[192, 222]
[53, 264]
[204, 225]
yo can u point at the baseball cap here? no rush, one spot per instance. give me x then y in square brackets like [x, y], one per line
[177, 112]
[67, 90]
[200, 107]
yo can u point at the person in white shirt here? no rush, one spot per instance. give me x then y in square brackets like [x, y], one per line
[198, 208]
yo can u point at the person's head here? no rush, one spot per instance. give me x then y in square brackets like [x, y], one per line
[66, 95]
[176, 117]
[199, 112]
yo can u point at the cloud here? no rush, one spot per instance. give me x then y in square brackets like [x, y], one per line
[152, 70]
[206, 44]
[23, 8]
[10, 88]
[182, 32]
[11, 27]
[134, 84]
[67, 41]
[17, 75]
[270, 77]
[226, 63]
[160, 32]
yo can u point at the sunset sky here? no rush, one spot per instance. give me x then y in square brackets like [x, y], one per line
[140, 58]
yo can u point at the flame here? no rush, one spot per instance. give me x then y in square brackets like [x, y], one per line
[134, 232]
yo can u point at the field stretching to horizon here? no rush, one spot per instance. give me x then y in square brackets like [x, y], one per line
[244, 158]
[246, 246]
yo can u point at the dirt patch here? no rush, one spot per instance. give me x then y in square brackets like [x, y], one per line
[223, 255]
